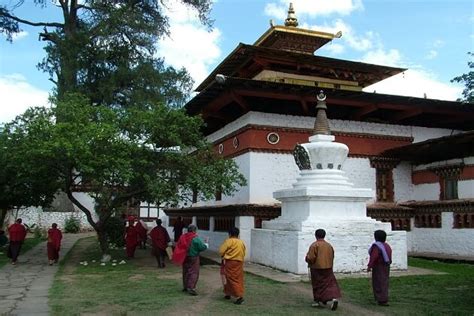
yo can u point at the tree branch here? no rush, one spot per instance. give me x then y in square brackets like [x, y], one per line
[16, 19]
[83, 209]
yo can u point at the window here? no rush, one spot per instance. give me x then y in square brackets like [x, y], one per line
[223, 223]
[449, 188]
[448, 181]
[384, 177]
[202, 222]
[384, 185]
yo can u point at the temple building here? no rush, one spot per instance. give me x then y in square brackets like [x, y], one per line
[416, 154]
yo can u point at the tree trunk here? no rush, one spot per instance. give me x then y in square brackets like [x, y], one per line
[103, 243]
[3, 214]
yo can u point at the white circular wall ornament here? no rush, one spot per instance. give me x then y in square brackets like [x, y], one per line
[273, 138]
[221, 148]
[235, 142]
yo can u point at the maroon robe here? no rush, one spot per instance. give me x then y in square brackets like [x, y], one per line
[325, 287]
[159, 240]
[131, 240]
[380, 273]
[142, 231]
[17, 234]
[54, 243]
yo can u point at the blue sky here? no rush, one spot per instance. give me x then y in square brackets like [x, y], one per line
[430, 38]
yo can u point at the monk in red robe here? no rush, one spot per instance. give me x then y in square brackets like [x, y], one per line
[131, 237]
[159, 241]
[142, 233]
[54, 243]
[17, 234]
[320, 259]
[379, 262]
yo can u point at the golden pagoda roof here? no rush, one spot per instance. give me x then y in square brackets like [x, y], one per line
[291, 38]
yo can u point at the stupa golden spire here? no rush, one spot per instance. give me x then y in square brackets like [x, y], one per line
[291, 20]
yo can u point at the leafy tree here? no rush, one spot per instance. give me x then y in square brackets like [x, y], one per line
[105, 49]
[154, 155]
[18, 188]
[468, 81]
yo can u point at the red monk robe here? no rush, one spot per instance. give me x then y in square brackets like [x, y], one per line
[131, 239]
[181, 250]
[54, 243]
[142, 233]
[159, 239]
[17, 234]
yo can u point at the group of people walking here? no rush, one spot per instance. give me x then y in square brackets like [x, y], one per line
[188, 246]
[320, 259]
[17, 233]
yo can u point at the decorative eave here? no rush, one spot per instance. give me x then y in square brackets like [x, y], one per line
[437, 149]
[258, 210]
[246, 61]
[222, 103]
[436, 206]
[294, 39]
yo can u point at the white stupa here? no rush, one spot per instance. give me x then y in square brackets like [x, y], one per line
[322, 197]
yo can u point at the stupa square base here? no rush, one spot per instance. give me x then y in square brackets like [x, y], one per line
[286, 250]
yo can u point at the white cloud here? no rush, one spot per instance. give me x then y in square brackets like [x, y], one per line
[190, 44]
[16, 36]
[438, 43]
[382, 57]
[432, 54]
[416, 83]
[334, 48]
[312, 8]
[17, 96]
[349, 36]
[19, 35]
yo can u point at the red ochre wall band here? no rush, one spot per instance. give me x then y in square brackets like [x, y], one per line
[255, 138]
[428, 176]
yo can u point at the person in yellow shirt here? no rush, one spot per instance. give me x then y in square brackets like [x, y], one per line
[232, 252]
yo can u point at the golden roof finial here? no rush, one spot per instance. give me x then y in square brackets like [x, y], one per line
[291, 20]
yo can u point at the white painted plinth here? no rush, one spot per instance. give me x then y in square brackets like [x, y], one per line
[286, 250]
[341, 211]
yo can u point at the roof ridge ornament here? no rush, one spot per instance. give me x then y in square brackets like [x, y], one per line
[321, 125]
[291, 20]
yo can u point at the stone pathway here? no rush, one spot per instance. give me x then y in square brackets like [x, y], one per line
[24, 287]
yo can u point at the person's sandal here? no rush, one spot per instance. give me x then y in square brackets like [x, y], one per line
[334, 304]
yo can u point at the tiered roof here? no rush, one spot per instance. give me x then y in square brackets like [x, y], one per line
[280, 74]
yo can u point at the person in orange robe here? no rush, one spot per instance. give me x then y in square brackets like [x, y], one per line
[232, 252]
[159, 240]
[54, 243]
[17, 234]
[131, 237]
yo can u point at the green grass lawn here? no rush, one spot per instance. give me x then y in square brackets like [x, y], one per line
[27, 245]
[137, 287]
[447, 294]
